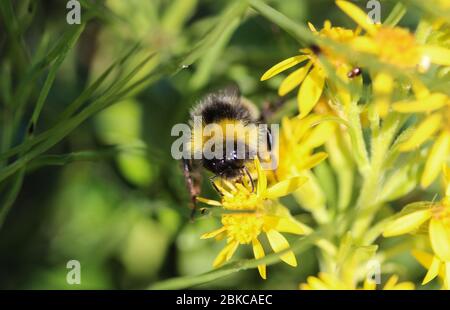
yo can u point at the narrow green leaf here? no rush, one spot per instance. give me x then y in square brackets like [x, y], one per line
[395, 15]
[64, 159]
[208, 61]
[52, 75]
[11, 196]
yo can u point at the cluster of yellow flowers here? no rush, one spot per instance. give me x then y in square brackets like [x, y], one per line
[435, 216]
[259, 212]
[382, 129]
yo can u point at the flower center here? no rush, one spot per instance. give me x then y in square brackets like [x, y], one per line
[441, 212]
[240, 198]
[337, 34]
[397, 46]
[243, 227]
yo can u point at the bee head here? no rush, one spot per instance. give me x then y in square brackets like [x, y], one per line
[230, 166]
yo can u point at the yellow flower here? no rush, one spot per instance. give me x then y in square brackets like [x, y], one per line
[444, 4]
[436, 215]
[436, 124]
[393, 45]
[435, 266]
[256, 213]
[311, 76]
[327, 281]
[298, 139]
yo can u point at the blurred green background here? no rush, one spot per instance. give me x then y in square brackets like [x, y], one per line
[124, 215]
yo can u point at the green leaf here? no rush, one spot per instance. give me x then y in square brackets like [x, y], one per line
[65, 159]
[178, 14]
[209, 60]
[52, 74]
[395, 15]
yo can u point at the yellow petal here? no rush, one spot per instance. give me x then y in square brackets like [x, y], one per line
[285, 187]
[433, 270]
[293, 80]
[358, 15]
[365, 44]
[286, 125]
[305, 287]
[312, 160]
[261, 186]
[213, 234]
[284, 65]
[447, 276]
[221, 236]
[404, 286]
[311, 27]
[424, 131]
[424, 258]
[302, 127]
[406, 223]
[369, 285]
[391, 282]
[419, 89]
[438, 55]
[209, 201]
[440, 239]
[278, 244]
[233, 248]
[224, 255]
[310, 91]
[430, 103]
[285, 224]
[319, 135]
[436, 159]
[383, 84]
[447, 180]
[331, 281]
[316, 284]
[382, 107]
[258, 251]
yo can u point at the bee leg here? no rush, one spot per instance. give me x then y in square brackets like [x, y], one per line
[211, 179]
[250, 178]
[193, 188]
[269, 139]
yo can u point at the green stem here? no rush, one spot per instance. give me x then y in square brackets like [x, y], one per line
[299, 32]
[16, 185]
[361, 156]
[368, 202]
[189, 281]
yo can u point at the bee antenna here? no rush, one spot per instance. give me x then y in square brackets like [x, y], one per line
[250, 178]
[211, 179]
[192, 216]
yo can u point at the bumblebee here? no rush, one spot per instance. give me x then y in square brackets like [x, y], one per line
[236, 146]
